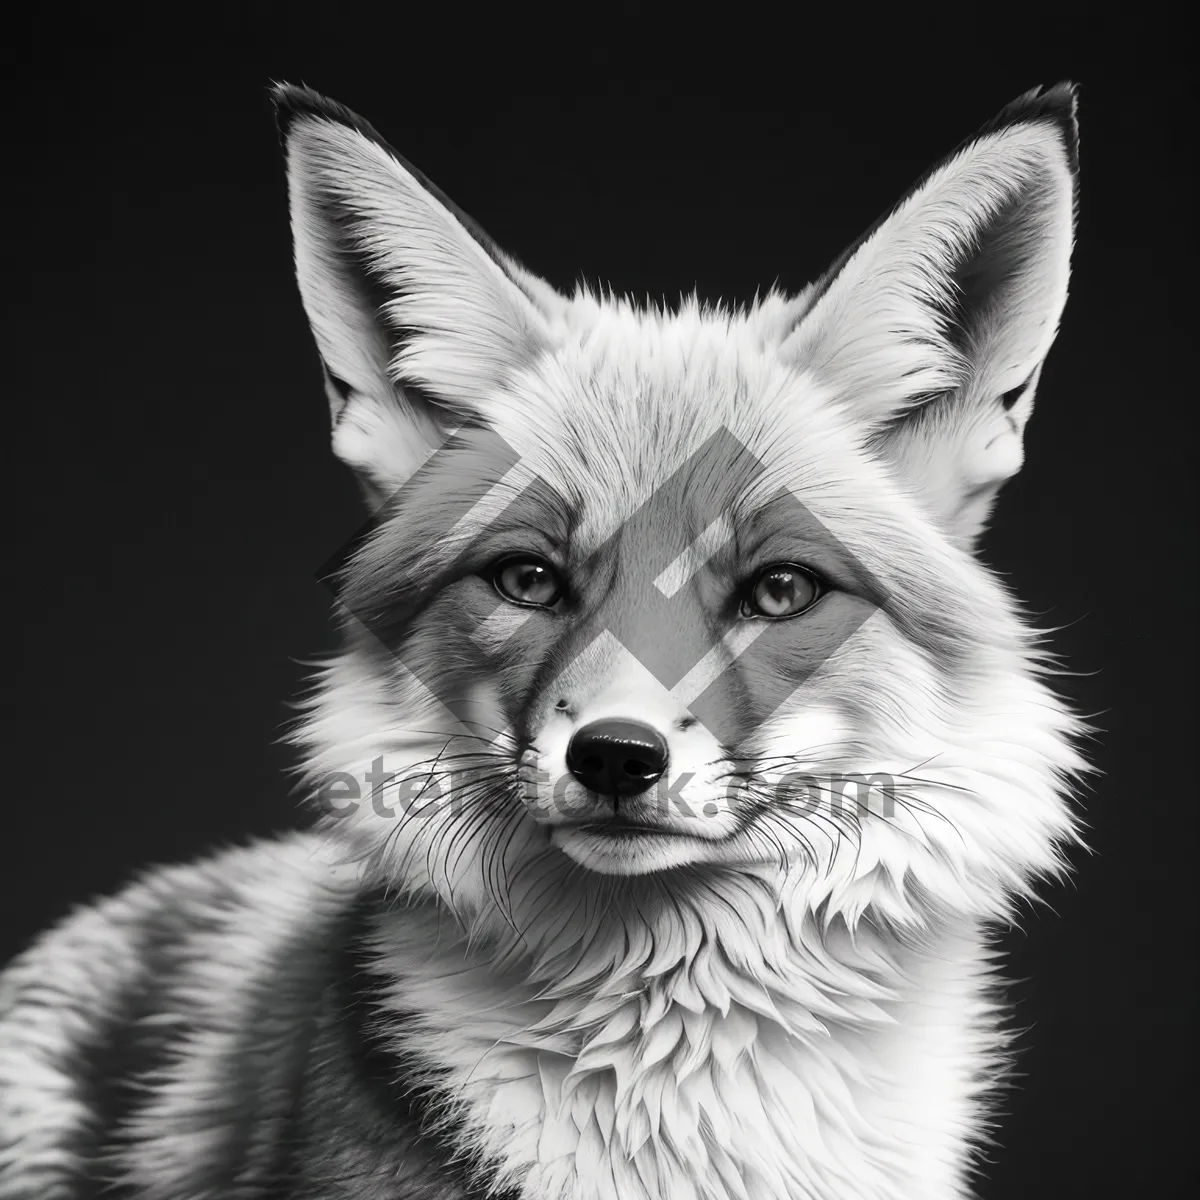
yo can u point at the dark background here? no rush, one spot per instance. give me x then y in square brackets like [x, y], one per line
[175, 494]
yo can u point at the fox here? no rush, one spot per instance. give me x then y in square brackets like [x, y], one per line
[584, 911]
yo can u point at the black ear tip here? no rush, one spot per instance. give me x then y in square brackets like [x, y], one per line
[295, 102]
[1059, 102]
[1066, 92]
[291, 101]
[1056, 104]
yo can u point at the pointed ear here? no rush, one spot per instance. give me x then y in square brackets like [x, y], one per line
[933, 327]
[417, 315]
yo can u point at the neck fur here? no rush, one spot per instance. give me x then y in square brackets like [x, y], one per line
[720, 1040]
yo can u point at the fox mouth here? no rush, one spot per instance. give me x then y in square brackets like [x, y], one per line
[621, 847]
[620, 827]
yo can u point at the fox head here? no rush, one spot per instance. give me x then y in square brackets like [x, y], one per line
[660, 594]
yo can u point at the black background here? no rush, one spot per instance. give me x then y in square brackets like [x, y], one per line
[175, 494]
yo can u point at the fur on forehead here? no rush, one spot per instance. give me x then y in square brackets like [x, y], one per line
[629, 394]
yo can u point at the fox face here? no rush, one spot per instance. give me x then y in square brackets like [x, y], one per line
[686, 597]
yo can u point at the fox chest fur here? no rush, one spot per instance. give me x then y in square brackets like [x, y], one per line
[589, 913]
[219, 1044]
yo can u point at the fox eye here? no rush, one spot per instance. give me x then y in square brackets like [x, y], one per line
[532, 582]
[780, 591]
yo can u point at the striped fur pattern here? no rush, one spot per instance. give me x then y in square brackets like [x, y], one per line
[450, 987]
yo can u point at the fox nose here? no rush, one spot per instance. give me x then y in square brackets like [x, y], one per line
[617, 758]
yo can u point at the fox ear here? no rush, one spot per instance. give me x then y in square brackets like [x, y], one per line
[933, 327]
[417, 315]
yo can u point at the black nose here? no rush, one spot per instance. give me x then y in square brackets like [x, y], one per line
[617, 758]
